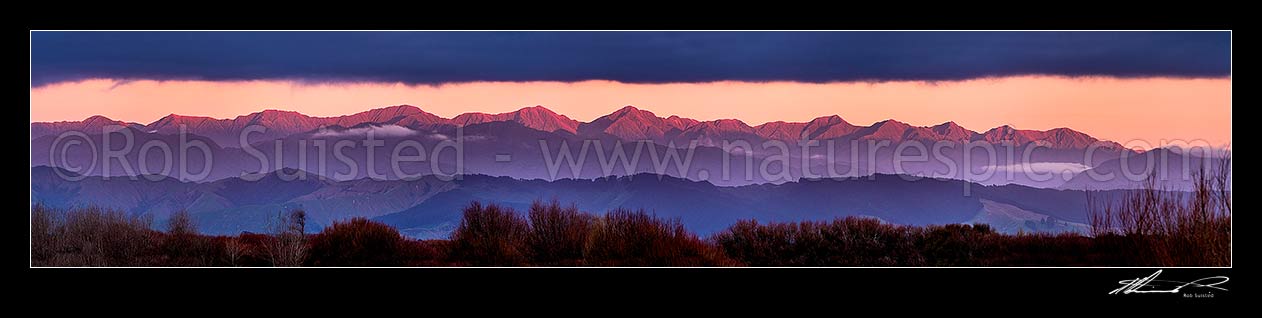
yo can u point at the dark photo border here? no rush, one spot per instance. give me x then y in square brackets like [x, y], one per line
[1035, 289]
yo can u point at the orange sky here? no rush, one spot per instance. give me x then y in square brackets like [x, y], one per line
[1149, 109]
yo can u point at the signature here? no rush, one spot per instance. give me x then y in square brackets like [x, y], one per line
[1151, 284]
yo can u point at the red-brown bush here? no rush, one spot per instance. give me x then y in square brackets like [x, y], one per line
[557, 235]
[358, 242]
[626, 238]
[848, 241]
[490, 236]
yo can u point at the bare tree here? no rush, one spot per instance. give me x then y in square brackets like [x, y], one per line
[1169, 227]
[1222, 182]
[288, 246]
[183, 244]
[102, 237]
[43, 236]
[181, 223]
[234, 250]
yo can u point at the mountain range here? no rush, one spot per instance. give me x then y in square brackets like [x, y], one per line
[628, 123]
[531, 139]
[518, 157]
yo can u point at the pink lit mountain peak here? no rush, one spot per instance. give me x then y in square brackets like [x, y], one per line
[627, 123]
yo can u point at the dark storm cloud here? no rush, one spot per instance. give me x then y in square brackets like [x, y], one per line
[640, 57]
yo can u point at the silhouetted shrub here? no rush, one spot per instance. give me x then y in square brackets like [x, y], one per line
[557, 235]
[869, 242]
[625, 238]
[358, 242]
[99, 237]
[426, 253]
[847, 241]
[183, 245]
[760, 245]
[1042, 249]
[956, 245]
[490, 236]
